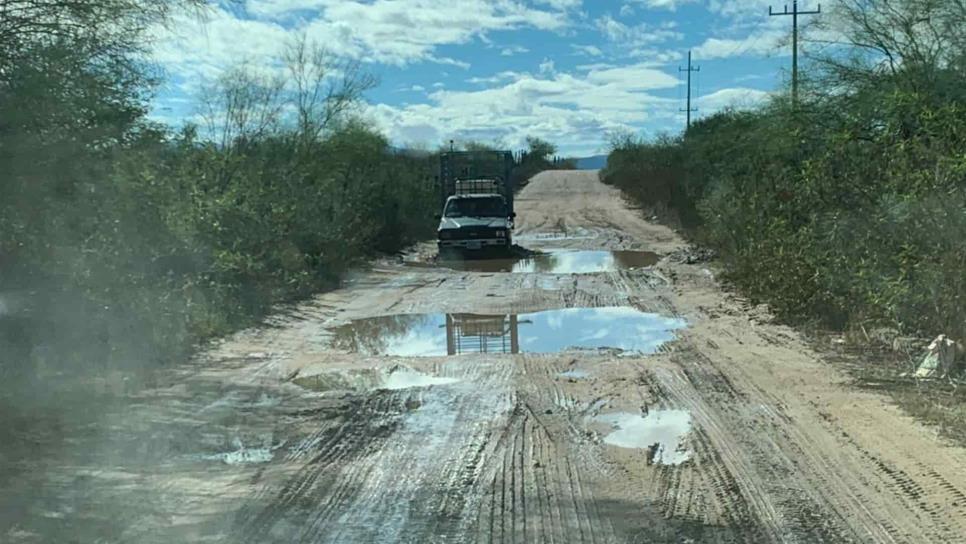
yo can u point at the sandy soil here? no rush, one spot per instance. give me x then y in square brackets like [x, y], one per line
[776, 446]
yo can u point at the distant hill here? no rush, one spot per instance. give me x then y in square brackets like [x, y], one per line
[596, 162]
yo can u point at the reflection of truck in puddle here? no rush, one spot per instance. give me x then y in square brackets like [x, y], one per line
[468, 333]
[476, 199]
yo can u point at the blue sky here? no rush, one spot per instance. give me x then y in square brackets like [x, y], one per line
[570, 71]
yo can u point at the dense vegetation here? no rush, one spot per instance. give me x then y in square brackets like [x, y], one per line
[123, 243]
[849, 208]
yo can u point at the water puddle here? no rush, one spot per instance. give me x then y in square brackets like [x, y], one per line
[396, 378]
[576, 234]
[433, 335]
[404, 378]
[661, 432]
[561, 262]
[243, 455]
[575, 374]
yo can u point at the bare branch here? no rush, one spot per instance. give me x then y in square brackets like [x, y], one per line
[324, 88]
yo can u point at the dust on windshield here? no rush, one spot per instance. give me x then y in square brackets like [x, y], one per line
[476, 207]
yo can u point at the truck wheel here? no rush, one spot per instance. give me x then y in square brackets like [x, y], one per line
[447, 253]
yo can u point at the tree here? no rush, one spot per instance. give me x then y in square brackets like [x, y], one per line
[540, 149]
[910, 41]
[108, 31]
[323, 88]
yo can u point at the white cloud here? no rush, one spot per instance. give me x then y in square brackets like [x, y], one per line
[562, 4]
[511, 50]
[451, 62]
[547, 66]
[195, 49]
[574, 111]
[403, 31]
[573, 107]
[502, 76]
[640, 77]
[634, 40]
[751, 32]
[733, 8]
[395, 32]
[586, 50]
[665, 4]
[656, 56]
[763, 42]
[739, 97]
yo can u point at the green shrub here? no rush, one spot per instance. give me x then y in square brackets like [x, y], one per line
[847, 211]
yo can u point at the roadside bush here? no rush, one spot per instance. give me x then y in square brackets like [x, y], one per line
[123, 245]
[848, 211]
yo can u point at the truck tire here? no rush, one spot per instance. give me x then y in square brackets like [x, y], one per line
[446, 253]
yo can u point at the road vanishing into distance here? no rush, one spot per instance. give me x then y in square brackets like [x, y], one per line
[601, 391]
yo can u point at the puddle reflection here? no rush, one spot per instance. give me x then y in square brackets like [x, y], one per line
[433, 335]
[561, 262]
[662, 432]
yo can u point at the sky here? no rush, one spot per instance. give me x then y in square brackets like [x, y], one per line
[574, 72]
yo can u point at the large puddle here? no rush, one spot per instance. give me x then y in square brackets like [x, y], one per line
[661, 432]
[561, 262]
[433, 335]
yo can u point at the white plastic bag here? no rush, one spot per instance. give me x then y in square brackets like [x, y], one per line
[940, 359]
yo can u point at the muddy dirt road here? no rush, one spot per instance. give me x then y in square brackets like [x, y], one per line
[592, 396]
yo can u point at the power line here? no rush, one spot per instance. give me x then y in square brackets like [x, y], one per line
[794, 13]
[689, 70]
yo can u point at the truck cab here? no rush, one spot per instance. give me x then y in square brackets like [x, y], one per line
[475, 222]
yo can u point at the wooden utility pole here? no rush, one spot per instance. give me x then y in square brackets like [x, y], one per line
[689, 70]
[794, 13]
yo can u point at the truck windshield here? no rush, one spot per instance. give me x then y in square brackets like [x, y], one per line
[476, 207]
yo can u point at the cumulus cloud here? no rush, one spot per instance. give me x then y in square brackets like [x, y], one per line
[394, 32]
[575, 111]
[750, 31]
[632, 37]
[586, 50]
[512, 50]
[734, 8]
[760, 43]
[665, 4]
[575, 107]
[739, 98]
[547, 66]
[562, 4]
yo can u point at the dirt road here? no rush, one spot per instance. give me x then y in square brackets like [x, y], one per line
[721, 427]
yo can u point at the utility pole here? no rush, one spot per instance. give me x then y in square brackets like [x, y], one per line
[794, 13]
[689, 70]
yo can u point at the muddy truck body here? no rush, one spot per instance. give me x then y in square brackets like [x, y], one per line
[476, 201]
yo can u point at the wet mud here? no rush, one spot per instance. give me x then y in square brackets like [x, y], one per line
[557, 262]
